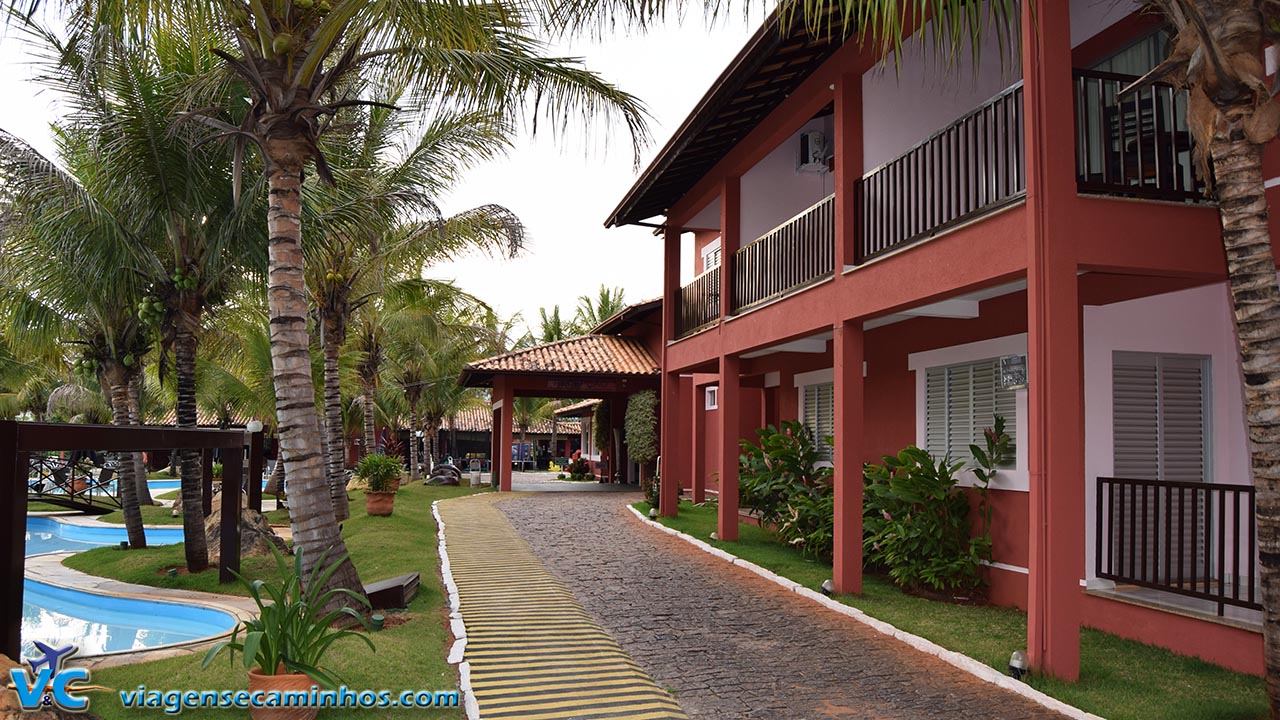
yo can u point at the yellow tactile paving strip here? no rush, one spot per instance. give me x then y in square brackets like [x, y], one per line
[534, 652]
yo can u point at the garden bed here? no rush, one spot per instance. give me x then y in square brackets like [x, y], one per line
[1119, 679]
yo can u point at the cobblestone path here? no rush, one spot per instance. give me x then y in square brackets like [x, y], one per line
[730, 644]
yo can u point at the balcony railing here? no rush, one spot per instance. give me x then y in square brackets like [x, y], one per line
[793, 255]
[1135, 146]
[971, 167]
[699, 304]
[1189, 538]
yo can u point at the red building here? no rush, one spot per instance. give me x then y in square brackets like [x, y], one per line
[877, 253]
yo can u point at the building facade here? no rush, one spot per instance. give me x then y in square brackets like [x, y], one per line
[896, 255]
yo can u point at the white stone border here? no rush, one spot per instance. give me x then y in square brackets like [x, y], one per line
[980, 670]
[456, 625]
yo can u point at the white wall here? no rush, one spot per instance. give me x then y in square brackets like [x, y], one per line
[1090, 17]
[773, 192]
[904, 105]
[1194, 322]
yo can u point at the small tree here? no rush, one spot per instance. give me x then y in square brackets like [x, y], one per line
[641, 427]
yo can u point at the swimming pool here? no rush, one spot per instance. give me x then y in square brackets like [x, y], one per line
[46, 535]
[101, 624]
[97, 623]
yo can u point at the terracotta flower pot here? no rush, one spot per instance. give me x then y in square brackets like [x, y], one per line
[79, 485]
[284, 682]
[395, 485]
[379, 503]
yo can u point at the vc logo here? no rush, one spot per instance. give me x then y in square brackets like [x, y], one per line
[48, 686]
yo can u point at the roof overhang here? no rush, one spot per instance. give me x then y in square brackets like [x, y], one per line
[767, 69]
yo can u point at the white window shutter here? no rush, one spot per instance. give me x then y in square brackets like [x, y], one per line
[961, 402]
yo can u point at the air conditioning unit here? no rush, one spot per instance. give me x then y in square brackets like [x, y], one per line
[813, 154]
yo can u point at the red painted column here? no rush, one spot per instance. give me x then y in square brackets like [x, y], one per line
[697, 448]
[730, 404]
[669, 491]
[847, 555]
[503, 458]
[730, 239]
[848, 154]
[1055, 387]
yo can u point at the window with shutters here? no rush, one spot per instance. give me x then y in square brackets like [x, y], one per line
[711, 256]
[961, 402]
[1159, 416]
[819, 415]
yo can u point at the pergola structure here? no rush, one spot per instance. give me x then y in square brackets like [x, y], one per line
[599, 366]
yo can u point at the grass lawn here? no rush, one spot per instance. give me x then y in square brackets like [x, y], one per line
[161, 475]
[37, 506]
[151, 515]
[1119, 679]
[410, 656]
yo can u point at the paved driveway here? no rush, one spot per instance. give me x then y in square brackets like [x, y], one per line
[730, 644]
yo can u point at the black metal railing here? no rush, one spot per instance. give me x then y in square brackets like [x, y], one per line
[793, 255]
[699, 303]
[971, 167]
[1190, 538]
[1138, 145]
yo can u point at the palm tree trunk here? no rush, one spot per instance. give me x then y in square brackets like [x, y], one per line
[370, 443]
[135, 418]
[413, 444]
[315, 531]
[336, 448]
[1255, 297]
[194, 540]
[128, 479]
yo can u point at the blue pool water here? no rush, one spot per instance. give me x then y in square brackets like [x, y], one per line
[100, 623]
[46, 535]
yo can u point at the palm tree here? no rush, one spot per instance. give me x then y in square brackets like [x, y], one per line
[300, 66]
[365, 242]
[82, 300]
[593, 311]
[191, 239]
[551, 328]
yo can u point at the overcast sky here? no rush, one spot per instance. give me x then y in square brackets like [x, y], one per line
[562, 188]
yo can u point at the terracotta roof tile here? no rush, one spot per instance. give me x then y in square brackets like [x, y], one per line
[480, 419]
[586, 355]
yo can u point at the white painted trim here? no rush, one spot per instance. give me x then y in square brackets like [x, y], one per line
[495, 404]
[969, 352]
[772, 379]
[980, 670]
[456, 624]
[1004, 566]
[1271, 182]
[711, 400]
[816, 377]
[1019, 478]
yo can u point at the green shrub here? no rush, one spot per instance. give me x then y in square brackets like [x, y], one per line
[916, 524]
[217, 470]
[641, 426]
[378, 471]
[579, 468]
[601, 426]
[779, 478]
[561, 476]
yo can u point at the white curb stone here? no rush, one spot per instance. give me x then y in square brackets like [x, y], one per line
[456, 623]
[980, 670]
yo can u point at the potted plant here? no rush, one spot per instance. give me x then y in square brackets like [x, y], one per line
[378, 473]
[284, 646]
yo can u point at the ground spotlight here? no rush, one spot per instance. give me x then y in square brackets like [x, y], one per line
[827, 587]
[1017, 664]
[653, 513]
